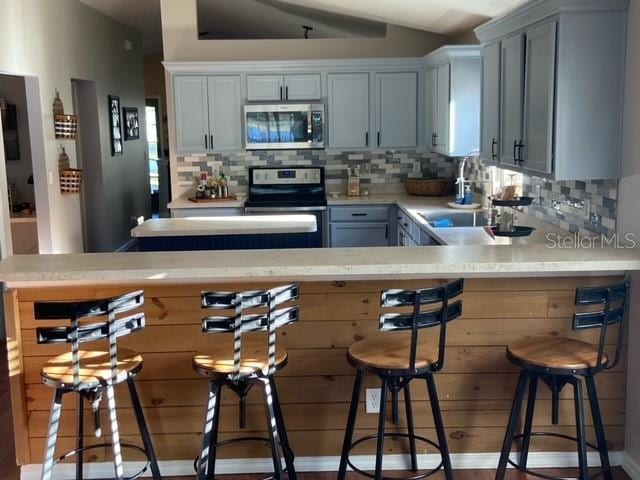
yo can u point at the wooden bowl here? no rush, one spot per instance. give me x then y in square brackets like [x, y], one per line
[429, 187]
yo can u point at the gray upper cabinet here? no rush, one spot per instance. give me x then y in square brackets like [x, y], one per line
[225, 118]
[302, 87]
[490, 123]
[396, 109]
[453, 100]
[348, 110]
[265, 88]
[511, 93]
[443, 101]
[536, 152]
[562, 81]
[208, 113]
[275, 88]
[192, 116]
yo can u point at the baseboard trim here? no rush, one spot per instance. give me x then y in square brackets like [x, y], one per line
[461, 461]
[630, 466]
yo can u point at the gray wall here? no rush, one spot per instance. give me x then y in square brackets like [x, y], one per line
[629, 222]
[18, 171]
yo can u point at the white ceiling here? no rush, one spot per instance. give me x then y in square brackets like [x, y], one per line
[283, 18]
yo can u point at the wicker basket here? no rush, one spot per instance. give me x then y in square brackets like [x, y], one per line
[66, 126]
[429, 187]
[70, 180]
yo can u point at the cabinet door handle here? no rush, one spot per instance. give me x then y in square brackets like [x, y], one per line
[435, 139]
[520, 147]
[358, 214]
[378, 138]
[286, 93]
[206, 147]
[211, 141]
[386, 231]
[494, 142]
[281, 94]
[366, 139]
[515, 151]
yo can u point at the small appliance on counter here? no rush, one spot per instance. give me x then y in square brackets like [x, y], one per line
[507, 217]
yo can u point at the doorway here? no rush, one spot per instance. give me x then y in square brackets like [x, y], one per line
[89, 159]
[18, 158]
[158, 164]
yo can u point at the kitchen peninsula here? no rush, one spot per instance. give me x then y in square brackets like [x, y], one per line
[510, 292]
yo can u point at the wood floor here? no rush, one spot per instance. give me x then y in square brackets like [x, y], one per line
[9, 471]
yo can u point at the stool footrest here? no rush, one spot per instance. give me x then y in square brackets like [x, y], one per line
[138, 474]
[287, 450]
[426, 474]
[534, 473]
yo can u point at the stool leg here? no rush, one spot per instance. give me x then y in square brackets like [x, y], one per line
[580, 428]
[115, 433]
[54, 423]
[351, 421]
[381, 423]
[599, 428]
[206, 462]
[144, 430]
[437, 421]
[410, 431]
[512, 425]
[394, 407]
[288, 453]
[272, 427]
[528, 422]
[79, 437]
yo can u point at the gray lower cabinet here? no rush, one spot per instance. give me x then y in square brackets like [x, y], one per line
[359, 226]
[359, 234]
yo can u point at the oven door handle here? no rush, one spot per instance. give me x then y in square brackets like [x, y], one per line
[292, 210]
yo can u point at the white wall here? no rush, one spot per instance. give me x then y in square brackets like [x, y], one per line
[56, 41]
[629, 222]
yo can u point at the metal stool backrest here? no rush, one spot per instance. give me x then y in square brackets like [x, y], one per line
[418, 319]
[113, 327]
[241, 323]
[615, 303]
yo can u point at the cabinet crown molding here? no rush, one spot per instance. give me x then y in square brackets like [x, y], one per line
[294, 66]
[537, 10]
[451, 52]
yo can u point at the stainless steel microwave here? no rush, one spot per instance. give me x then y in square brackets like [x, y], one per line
[284, 125]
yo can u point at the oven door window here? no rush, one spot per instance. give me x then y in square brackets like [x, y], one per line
[277, 127]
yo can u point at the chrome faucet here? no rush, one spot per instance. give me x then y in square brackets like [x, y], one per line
[460, 181]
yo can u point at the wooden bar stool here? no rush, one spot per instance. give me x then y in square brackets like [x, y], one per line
[90, 373]
[558, 362]
[244, 363]
[397, 360]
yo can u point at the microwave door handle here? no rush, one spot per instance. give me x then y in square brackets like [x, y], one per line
[309, 127]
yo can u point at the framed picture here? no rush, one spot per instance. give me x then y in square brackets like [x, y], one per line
[115, 125]
[131, 123]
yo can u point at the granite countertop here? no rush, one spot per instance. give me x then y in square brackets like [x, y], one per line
[184, 202]
[327, 264]
[239, 225]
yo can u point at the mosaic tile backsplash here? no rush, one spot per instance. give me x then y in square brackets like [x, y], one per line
[379, 169]
[584, 208]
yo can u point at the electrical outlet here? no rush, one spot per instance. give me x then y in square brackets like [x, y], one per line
[416, 166]
[373, 400]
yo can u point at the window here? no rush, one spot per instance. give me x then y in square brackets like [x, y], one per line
[153, 146]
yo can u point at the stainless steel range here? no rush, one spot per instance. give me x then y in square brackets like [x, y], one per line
[289, 190]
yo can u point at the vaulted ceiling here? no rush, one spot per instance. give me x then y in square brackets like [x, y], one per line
[329, 18]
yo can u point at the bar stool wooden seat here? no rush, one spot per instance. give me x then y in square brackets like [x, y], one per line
[559, 361]
[243, 362]
[397, 360]
[92, 372]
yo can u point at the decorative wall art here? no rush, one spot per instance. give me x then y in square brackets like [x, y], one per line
[131, 123]
[115, 125]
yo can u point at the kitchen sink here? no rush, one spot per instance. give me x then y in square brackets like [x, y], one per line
[455, 219]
